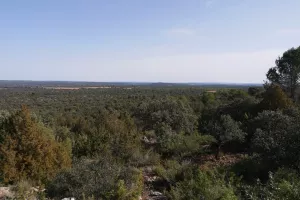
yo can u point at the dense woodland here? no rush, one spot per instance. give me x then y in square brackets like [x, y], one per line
[184, 143]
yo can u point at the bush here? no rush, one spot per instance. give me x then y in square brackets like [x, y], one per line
[251, 169]
[276, 139]
[176, 114]
[284, 185]
[109, 133]
[195, 184]
[144, 158]
[29, 151]
[101, 179]
[182, 145]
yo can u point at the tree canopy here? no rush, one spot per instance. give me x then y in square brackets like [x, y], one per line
[274, 98]
[286, 73]
[225, 130]
[155, 141]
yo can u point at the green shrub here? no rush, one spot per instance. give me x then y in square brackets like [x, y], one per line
[102, 179]
[144, 157]
[250, 169]
[277, 139]
[284, 185]
[194, 184]
[183, 145]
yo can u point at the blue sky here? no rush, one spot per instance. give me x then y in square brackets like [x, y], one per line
[141, 40]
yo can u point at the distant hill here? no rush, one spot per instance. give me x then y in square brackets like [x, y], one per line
[31, 84]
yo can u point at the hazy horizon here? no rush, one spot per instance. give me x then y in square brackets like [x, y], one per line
[193, 41]
[142, 82]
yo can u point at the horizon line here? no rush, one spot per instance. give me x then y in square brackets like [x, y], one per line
[171, 82]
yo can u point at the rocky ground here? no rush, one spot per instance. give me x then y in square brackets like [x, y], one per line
[151, 190]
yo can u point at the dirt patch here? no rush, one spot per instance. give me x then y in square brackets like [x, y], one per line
[62, 88]
[211, 91]
[209, 161]
[76, 88]
[101, 87]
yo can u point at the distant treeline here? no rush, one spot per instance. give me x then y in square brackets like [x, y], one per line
[20, 83]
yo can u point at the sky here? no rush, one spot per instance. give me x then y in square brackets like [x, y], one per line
[233, 41]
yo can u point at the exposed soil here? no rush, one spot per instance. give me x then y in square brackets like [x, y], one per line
[209, 161]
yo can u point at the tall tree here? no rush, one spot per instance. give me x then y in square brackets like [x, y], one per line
[286, 73]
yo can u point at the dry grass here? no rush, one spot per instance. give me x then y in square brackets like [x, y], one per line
[77, 88]
[209, 161]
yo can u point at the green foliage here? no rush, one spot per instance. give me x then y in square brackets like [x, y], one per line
[274, 98]
[276, 139]
[255, 91]
[196, 184]
[108, 133]
[144, 157]
[225, 130]
[229, 95]
[29, 151]
[121, 139]
[170, 169]
[173, 113]
[209, 98]
[284, 185]
[125, 193]
[196, 104]
[182, 145]
[102, 179]
[240, 110]
[286, 73]
[251, 168]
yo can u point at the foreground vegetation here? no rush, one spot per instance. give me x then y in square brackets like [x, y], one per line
[185, 143]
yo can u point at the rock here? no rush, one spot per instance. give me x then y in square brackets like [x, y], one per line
[150, 141]
[37, 189]
[155, 193]
[5, 192]
[145, 139]
[150, 179]
[148, 170]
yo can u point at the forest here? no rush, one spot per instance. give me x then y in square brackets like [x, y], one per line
[154, 142]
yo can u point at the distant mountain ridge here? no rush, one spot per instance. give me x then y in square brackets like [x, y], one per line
[28, 83]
